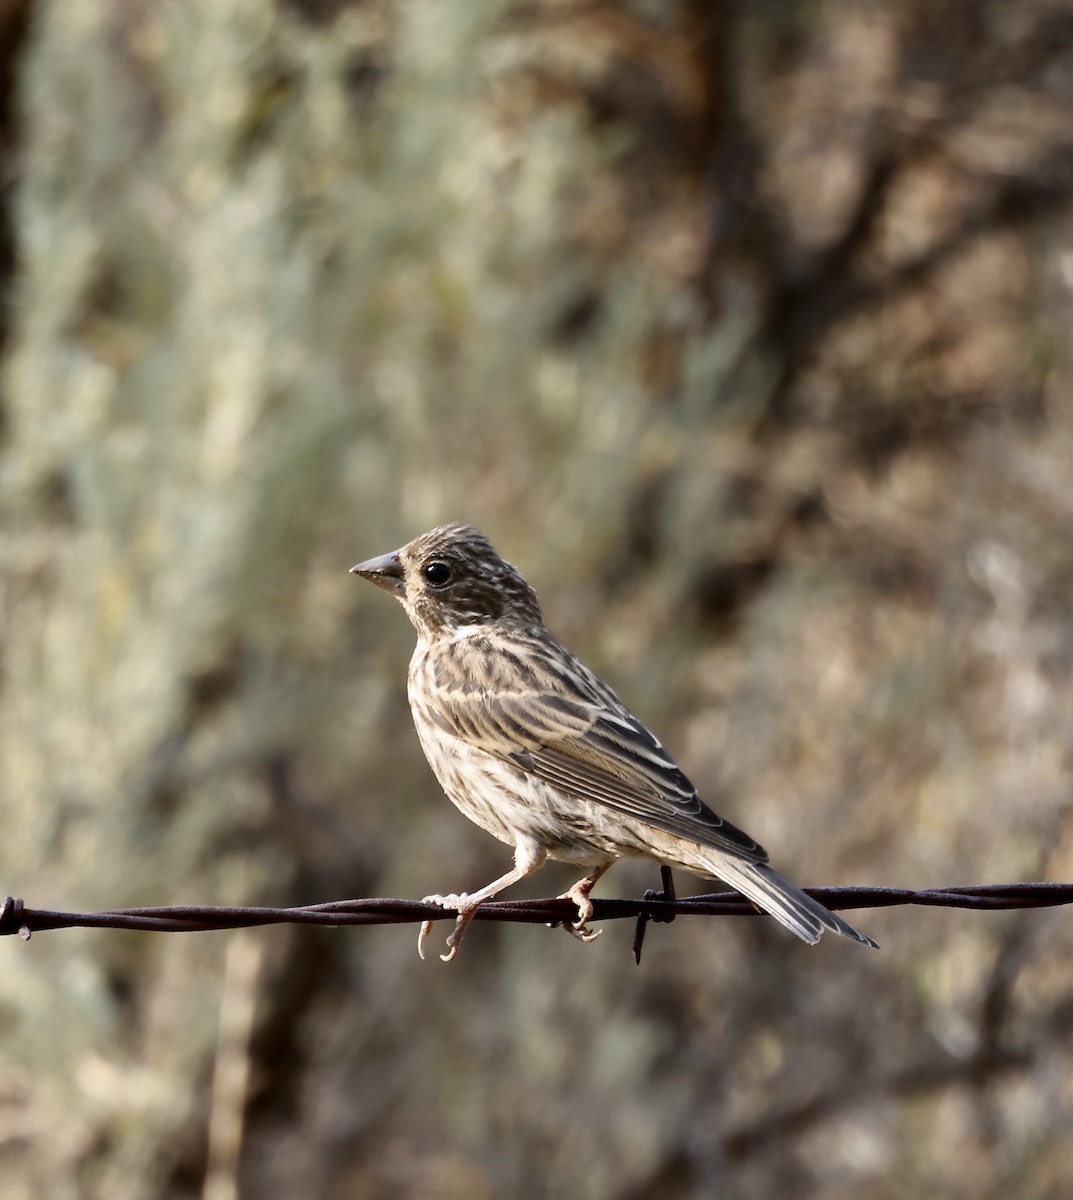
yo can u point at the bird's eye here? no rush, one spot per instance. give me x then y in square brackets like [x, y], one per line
[437, 573]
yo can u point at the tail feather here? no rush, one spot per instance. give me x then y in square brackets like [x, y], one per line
[787, 903]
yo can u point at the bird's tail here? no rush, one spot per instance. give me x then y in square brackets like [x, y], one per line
[786, 903]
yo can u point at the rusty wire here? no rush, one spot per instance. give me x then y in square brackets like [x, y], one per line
[16, 918]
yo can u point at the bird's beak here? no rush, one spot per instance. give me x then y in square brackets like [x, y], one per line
[386, 572]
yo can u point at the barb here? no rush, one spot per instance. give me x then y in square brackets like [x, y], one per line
[16, 918]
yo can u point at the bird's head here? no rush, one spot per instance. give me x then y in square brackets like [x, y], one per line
[451, 577]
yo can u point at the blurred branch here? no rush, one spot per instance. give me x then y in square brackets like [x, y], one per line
[15, 917]
[678, 1174]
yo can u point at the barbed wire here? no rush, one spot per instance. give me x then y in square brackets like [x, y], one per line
[16, 918]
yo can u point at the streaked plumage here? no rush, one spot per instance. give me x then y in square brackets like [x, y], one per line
[539, 751]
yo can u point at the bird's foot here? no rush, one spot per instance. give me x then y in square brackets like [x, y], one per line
[579, 893]
[462, 905]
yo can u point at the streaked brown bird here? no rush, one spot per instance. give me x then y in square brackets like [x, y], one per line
[539, 751]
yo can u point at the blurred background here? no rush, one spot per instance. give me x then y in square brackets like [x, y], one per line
[744, 330]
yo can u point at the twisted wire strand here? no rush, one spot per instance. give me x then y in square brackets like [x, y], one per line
[16, 918]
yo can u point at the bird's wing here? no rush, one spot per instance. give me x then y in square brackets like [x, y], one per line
[583, 741]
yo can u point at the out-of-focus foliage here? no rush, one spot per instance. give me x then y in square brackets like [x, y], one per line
[744, 330]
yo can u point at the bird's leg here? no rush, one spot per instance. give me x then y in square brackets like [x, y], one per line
[529, 856]
[579, 893]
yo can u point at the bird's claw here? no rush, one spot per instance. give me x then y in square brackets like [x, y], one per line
[454, 939]
[581, 932]
[580, 928]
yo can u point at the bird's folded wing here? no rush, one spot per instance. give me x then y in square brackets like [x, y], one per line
[594, 753]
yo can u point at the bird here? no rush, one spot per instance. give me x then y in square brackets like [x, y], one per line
[539, 751]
